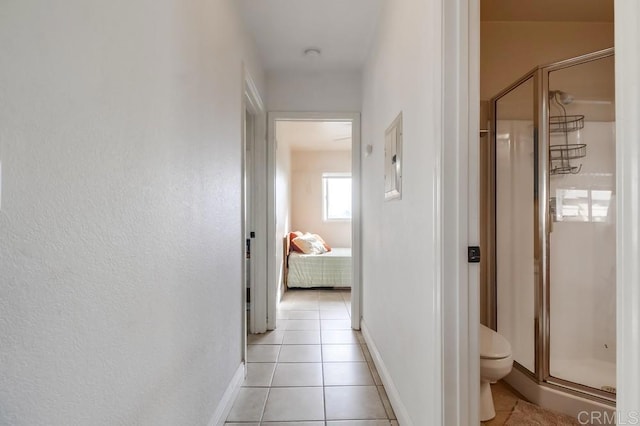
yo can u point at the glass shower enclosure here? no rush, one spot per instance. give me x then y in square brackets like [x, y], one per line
[552, 233]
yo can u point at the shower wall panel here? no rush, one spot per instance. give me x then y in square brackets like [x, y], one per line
[514, 238]
[582, 265]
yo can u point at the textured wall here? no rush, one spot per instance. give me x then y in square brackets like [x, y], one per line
[337, 91]
[120, 242]
[400, 289]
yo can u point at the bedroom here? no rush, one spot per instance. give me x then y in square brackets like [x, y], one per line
[313, 196]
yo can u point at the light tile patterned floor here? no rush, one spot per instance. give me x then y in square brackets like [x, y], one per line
[312, 370]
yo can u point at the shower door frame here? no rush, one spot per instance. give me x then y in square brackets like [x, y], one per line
[542, 219]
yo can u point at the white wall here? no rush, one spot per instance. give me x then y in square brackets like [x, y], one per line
[583, 262]
[400, 300]
[120, 229]
[307, 168]
[329, 91]
[283, 206]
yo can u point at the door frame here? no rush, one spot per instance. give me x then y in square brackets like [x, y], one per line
[627, 60]
[459, 150]
[272, 238]
[252, 104]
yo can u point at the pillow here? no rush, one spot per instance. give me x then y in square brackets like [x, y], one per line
[326, 246]
[307, 244]
[294, 234]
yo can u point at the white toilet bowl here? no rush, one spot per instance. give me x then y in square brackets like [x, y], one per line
[495, 363]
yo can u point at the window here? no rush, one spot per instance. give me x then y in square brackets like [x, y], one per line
[336, 191]
[582, 205]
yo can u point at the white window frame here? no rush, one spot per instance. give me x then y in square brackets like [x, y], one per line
[325, 196]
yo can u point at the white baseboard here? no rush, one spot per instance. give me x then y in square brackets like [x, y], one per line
[228, 398]
[392, 392]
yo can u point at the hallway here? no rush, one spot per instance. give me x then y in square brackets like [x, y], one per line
[312, 370]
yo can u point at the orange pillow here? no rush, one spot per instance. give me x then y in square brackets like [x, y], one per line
[292, 236]
[323, 242]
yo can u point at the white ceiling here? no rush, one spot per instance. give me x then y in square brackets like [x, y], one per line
[547, 10]
[344, 29]
[283, 29]
[314, 135]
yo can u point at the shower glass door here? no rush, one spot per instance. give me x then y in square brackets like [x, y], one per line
[582, 226]
[515, 229]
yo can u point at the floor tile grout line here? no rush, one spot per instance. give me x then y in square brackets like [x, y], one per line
[359, 344]
[324, 395]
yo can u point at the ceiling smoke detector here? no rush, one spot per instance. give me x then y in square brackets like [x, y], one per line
[312, 52]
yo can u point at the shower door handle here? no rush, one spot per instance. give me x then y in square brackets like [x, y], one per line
[552, 212]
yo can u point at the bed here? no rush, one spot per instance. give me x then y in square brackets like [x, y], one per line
[331, 269]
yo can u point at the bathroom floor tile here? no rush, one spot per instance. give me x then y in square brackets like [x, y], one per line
[335, 315]
[294, 404]
[292, 423]
[344, 324]
[313, 366]
[353, 402]
[269, 338]
[262, 353]
[303, 325]
[330, 305]
[298, 374]
[301, 337]
[339, 337]
[303, 315]
[299, 306]
[248, 405]
[347, 374]
[259, 374]
[342, 353]
[242, 424]
[300, 353]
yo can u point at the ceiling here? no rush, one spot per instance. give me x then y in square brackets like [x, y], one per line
[547, 10]
[283, 29]
[314, 135]
[343, 29]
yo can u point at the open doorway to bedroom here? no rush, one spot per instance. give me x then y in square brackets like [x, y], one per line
[315, 264]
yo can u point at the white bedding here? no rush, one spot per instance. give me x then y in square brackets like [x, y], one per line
[332, 269]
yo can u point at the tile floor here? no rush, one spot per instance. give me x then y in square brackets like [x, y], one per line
[312, 370]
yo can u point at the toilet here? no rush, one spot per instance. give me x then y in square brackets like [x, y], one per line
[495, 363]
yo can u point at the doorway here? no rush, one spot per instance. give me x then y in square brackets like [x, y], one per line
[321, 153]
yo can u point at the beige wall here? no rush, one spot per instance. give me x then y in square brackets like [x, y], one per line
[306, 194]
[510, 49]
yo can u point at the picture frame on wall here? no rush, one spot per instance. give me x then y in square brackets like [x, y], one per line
[393, 160]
